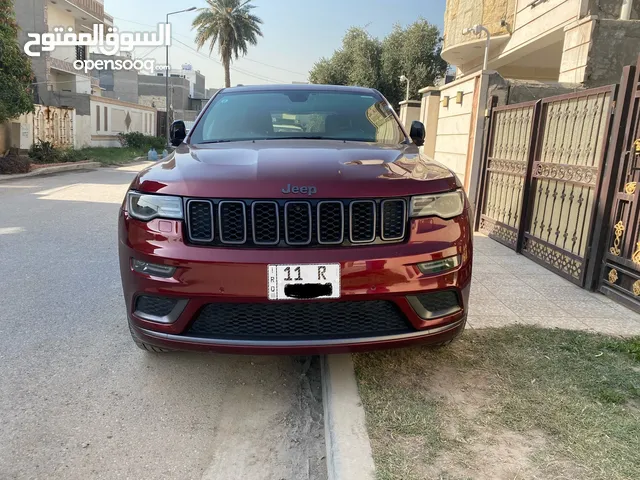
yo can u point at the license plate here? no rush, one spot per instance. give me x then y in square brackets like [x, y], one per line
[303, 282]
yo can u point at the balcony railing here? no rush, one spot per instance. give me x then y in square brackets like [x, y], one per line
[92, 7]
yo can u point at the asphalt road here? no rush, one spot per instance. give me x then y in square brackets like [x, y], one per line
[79, 401]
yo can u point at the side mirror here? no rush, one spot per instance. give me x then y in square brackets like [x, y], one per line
[417, 133]
[178, 132]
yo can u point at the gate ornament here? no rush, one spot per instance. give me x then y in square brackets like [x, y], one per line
[613, 275]
[630, 188]
[618, 231]
[636, 288]
[635, 258]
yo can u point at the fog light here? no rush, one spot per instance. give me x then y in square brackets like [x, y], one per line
[441, 265]
[154, 269]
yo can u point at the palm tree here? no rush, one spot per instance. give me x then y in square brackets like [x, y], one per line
[230, 24]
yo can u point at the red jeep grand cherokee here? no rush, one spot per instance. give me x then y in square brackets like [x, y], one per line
[295, 219]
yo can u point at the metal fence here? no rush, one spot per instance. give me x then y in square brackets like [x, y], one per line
[559, 184]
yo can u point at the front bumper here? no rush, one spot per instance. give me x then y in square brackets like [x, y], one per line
[206, 275]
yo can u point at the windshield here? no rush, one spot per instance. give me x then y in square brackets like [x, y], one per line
[268, 115]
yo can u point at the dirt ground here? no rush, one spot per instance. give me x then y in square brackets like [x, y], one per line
[285, 438]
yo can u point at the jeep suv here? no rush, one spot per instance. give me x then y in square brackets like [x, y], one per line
[337, 236]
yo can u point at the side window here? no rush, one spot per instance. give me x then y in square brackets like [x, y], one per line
[97, 118]
[106, 119]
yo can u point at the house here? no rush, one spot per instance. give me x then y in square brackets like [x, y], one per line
[575, 41]
[534, 49]
[70, 108]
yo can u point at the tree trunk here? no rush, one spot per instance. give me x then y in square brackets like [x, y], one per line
[226, 62]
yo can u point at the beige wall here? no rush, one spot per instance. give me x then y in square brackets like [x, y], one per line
[122, 117]
[83, 131]
[58, 16]
[575, 55]
[454, 126]
[596, 50]
[17, 133]
[533, 23]
[529, 29]
[409, 111]
[460, 14]
[429, 110]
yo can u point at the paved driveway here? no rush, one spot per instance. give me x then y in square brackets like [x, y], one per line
[509, 288]
[79, 401]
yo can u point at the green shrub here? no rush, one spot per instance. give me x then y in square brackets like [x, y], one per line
[44, 152]
[71, 155]
[13, 163]
[159, 143]
[141, 141]
[132, 139]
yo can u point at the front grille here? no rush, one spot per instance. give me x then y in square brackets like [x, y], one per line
[200, 217]
[298, 223]
[266, 223]
[299, 321]
[330, 222]
[233, 222]
[363, 221]
[393, 219]
[155, 306]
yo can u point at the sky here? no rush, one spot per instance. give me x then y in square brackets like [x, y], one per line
[296, 33]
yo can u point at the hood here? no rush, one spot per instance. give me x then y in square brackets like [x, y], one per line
[295, 169]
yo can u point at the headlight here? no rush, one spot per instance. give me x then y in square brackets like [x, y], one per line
[147, 207]
[443, 205]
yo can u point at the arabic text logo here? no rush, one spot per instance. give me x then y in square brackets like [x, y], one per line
[110, 44]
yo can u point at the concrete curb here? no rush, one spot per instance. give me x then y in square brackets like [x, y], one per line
[52, 169]
[348, 448]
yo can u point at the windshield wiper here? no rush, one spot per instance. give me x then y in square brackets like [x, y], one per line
[310, 137]
[216, 141]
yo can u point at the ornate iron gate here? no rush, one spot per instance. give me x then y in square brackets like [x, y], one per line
[542, 174]
[565, 179]
[505, 170]
[620, 277]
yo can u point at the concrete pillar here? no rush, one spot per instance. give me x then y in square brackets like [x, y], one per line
[429, 116]
[409, 111]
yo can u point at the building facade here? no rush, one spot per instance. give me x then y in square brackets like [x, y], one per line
[72, 109]
[57, 81]
[537, 48]
[577, 41]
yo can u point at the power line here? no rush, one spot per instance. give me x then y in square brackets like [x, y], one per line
[244, 58]
[236, 69]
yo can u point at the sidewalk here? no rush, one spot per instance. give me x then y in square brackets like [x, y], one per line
[508, 288]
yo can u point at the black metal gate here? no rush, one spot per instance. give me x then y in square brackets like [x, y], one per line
[620, 275]
[565, 178]
[505, 171]
[560, 184]
[541, 177]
